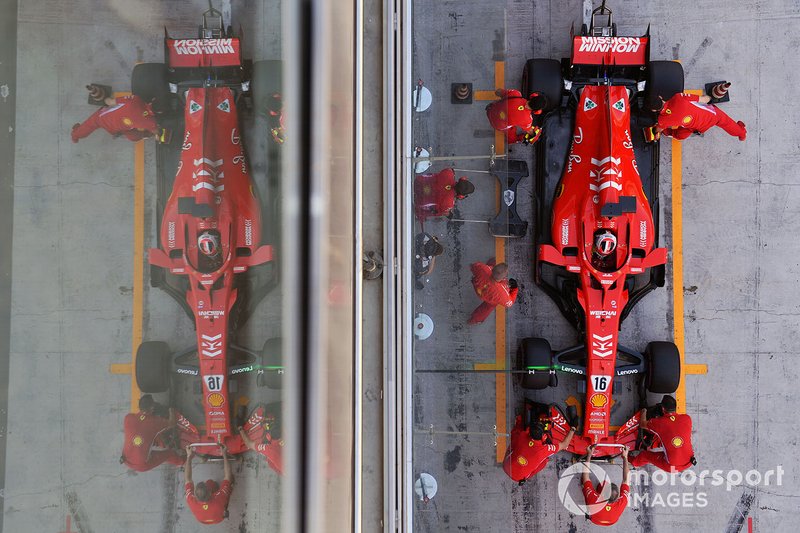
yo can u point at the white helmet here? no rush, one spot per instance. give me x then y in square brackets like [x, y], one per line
[604, 243]
[208, 243]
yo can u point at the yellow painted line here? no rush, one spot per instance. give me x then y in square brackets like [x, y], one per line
[501, 379]
[138, 270]
[484, 95]
[677, 266]
[120, 368]
[697, 369]
[138, 265]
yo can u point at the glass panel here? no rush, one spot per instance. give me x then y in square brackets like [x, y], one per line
[144, 262]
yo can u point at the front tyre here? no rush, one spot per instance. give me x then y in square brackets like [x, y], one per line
[537, 356]
[663, 367]
[153, 366]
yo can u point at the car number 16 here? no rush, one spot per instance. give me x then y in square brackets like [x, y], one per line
[600, 383]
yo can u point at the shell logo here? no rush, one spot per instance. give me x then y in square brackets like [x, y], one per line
[137, 440]
[598, 401]
[521, 460]
[677, 442]
[216, 399]
[687, 119]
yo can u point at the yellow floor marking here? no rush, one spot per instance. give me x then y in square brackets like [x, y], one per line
[138, 265]
[138, 270]
[120, 368]
[677, 269]
[485, 95]
[500, 312]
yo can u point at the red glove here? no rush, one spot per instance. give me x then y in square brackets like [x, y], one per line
[76, 126]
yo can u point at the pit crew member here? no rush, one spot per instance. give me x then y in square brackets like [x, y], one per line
[207, 500]
[605, 511]
[145, 431]
[272, 445]
[529, 452]
[435, 194]
[492, 285]
[670, 445]
[514, 115]
[427, 249]
[684, 114]
[126, 115]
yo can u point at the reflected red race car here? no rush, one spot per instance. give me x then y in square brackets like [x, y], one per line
[211, 256]
[597, 248]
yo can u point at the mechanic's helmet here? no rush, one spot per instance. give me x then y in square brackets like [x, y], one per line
[537, 103]
[208, 243]
[604, 243]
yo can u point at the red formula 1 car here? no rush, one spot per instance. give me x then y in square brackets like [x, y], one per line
[597, 248]
[211, 257]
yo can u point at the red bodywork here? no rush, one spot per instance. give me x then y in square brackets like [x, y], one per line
[601, 168]
[212, 175]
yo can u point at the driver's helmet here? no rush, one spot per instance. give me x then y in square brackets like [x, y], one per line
[604, 243]
[208, 243]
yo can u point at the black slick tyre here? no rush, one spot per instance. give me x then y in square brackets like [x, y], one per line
[663, 367]
[153, 366]
[543, 76]
[535, 354]
[272, 363]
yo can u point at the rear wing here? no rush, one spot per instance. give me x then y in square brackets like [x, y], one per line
[193, 53]
[619, 51]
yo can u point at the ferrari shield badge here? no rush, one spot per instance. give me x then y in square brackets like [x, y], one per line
[508, 197]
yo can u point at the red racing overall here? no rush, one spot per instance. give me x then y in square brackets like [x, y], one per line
[141, 431]
[212, 511]
[609, 513]
[512, 112]
[683, 115]
[675, 433]
[492, 292]
[435, 194]
[525, 456]
[131, 117]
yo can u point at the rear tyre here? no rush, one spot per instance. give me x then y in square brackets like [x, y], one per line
[149, 82]
[664, 79]
[536, 355]
[266, 82]
[663, 367]
[543, 76]
[153, 366]
[272, 360]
